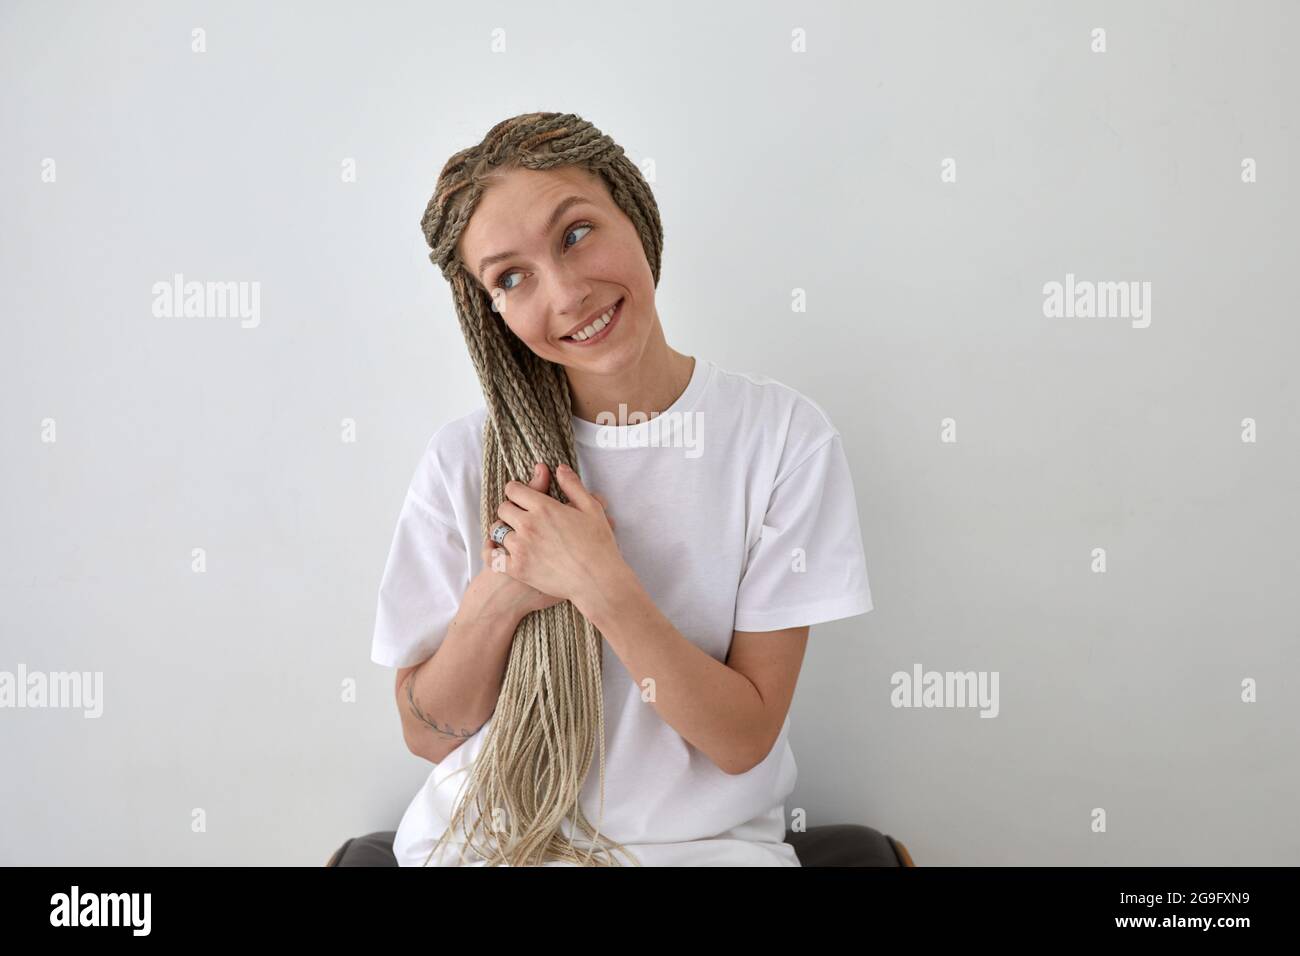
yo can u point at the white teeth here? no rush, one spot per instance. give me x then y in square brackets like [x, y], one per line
[600, 323]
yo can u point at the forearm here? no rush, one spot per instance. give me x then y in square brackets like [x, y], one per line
[449, 697]
[714, 707]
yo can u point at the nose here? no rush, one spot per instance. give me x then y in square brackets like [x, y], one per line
[570, 293]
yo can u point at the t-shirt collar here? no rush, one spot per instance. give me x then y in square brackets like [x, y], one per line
[629, 436]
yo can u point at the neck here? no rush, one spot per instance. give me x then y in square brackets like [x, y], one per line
[654, 382]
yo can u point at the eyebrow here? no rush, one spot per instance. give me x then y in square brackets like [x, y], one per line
[560, 210]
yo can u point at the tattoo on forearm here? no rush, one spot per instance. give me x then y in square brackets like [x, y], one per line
[447, 731]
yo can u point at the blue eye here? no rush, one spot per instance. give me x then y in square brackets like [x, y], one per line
[581, 225]
[501, 283]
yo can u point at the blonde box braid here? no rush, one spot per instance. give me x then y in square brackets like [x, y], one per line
[550, 712]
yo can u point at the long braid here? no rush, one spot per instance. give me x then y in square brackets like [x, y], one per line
[550, 711]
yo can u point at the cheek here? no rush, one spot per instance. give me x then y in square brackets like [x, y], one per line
[526, 327]
[634, 267]
[633, 257]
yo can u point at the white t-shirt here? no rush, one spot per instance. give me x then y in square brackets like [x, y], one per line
[735, 509]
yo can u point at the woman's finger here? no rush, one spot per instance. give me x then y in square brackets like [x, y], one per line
[512, 514]
[573, 487]
[492, 541]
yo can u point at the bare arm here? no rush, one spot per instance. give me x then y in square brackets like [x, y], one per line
[447, 698]
[732, 712]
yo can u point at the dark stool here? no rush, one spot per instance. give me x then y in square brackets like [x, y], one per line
[840, 844]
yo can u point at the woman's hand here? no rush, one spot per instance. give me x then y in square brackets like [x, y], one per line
[556, 549]
[496, 558]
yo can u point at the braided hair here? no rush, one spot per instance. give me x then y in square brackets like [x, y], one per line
[550, 712]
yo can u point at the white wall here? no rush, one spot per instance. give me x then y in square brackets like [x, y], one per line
[774, 170]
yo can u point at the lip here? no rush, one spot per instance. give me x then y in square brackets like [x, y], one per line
[613, 321]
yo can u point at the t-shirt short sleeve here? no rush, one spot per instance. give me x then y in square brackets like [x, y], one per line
[424, 580]
[807, 565]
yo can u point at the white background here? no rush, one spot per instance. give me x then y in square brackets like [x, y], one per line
[774, 170]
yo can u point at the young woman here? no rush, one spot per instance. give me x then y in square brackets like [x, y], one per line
[617, 558]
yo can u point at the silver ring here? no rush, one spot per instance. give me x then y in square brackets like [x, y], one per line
[500, 531]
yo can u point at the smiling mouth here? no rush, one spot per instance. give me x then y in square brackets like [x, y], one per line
[600, 332]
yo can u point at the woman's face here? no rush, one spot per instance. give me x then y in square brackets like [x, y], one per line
[552, 274]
